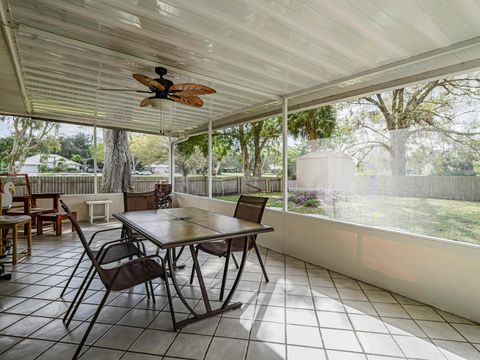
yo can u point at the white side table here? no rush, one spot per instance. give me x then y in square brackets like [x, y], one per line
[91, 209]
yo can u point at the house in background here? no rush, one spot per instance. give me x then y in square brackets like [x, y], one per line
[161, 169]
[33, 164]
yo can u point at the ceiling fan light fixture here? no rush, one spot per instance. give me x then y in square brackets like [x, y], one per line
[161, 104]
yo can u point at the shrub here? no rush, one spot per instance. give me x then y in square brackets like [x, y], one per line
[300, 197]
[311, 203]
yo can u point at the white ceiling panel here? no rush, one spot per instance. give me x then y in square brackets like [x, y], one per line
[253, 52]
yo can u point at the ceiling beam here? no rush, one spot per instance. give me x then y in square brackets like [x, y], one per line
[7, 25]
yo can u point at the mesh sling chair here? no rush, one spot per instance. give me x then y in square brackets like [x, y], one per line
[112, 255]
[124, 276]
[160, 198]
[164, 192]
[116, 254]
[248, 208]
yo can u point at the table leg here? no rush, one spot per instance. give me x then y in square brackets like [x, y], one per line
[14, 244]
[90, 212]
[29, 238]
[200, 279]
[58, 229]
[39, 227]
[171, 267]
[107, 212]
[239, 274]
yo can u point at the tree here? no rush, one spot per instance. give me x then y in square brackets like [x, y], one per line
[313, 124]
[76, 144]
[148, 149]
[264, 133]
[100, 152]
[117, 170]
[28, 136]
[254, 138]
[390, 120]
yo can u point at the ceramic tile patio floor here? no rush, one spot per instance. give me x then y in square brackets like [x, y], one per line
[304, 312]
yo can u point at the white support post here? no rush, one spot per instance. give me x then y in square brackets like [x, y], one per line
[171, 160]
[285, 153]
[95, 183]
[210, 160]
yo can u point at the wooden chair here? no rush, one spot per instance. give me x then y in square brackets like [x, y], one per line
[248, 208]
[26, 203]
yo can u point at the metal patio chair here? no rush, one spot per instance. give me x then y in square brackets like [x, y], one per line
[124, 276]
[248, 208]
[128, 251]
[164, 192]
[160, 198]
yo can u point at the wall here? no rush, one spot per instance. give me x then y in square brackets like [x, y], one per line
[441, 273]
[77, 203]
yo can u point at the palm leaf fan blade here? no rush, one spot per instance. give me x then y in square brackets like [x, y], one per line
[147, 81]
[188, 100]
[190, 89]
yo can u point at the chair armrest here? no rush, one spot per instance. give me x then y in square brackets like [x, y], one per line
[25, 199]
[45, 195]
[102, 231]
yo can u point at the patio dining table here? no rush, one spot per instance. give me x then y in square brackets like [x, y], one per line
[177, 227]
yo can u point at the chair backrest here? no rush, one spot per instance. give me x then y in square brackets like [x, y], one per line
[248, 208]
[21, 182]
[82, 237]
[163, 189]
[140, 201]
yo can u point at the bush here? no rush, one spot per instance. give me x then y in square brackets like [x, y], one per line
[300, 197]
[311, 203]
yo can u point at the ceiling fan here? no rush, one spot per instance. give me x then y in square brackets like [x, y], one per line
[164, 91]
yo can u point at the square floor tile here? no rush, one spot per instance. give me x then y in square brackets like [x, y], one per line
[305, 353]
[454, 350]
[138, 317]
[343, 355]
[368, 323]
[99, 353]
[267, 331]
[403, 327]
[340, 340]
[189, 346]
[470, 332]
[440, 330]
[381, 344]
[220, 347]
[26, 326]
[153, 342]
[301, 317]
[265, 350]
[418, 348]
[119, 337]
[234, 328]
[334, 320]
[26, 350]
[304, 336]
[299, 302]
[270, 313]
[421, 312]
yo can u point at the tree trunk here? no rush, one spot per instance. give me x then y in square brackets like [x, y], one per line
[242, 138]
[398, 152]
[313, 145]
[257, 156]
[117, 169]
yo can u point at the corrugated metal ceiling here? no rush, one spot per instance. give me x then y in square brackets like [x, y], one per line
[253, 52]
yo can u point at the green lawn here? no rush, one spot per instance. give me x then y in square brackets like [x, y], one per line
[447, 219]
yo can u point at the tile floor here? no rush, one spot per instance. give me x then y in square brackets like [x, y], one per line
[304, 312]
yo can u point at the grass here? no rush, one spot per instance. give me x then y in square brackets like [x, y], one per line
[446, 219]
